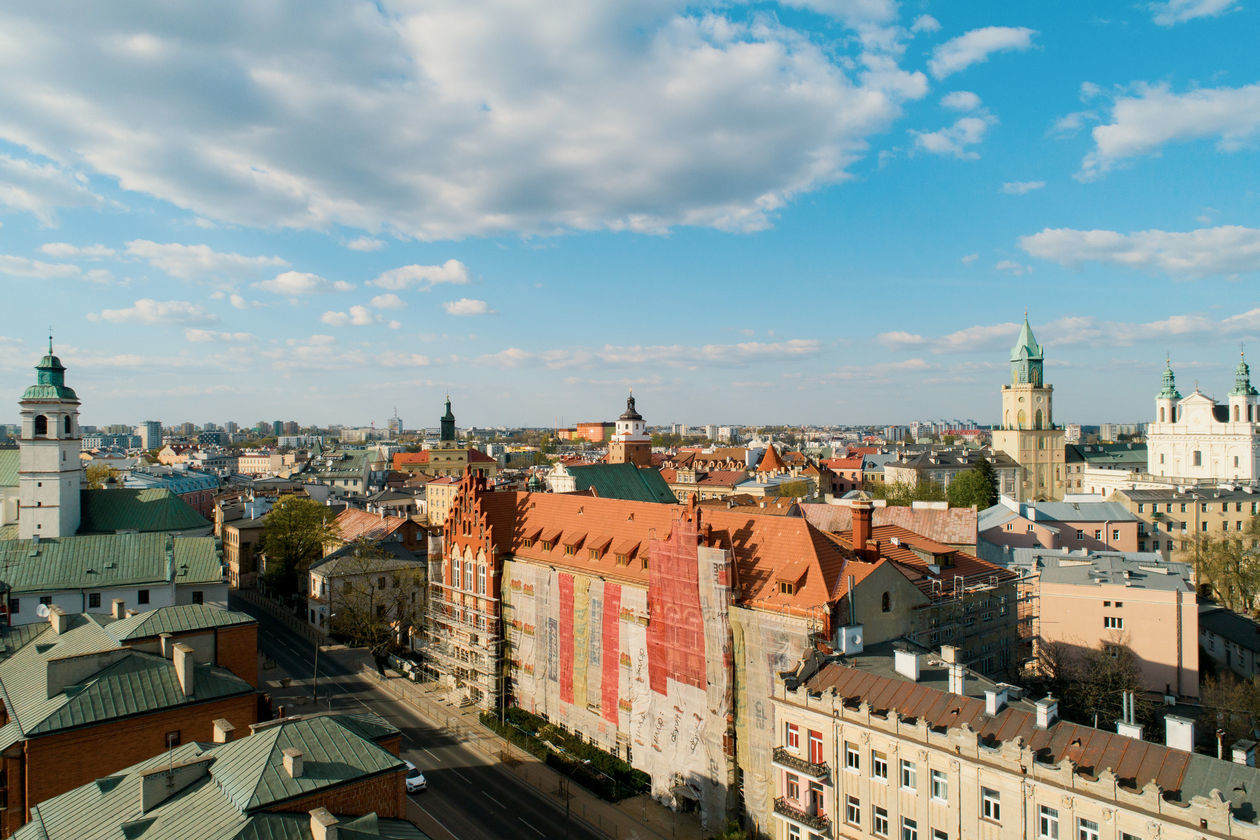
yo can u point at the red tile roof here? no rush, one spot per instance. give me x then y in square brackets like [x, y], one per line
[771, 462]
[955, 526]
[402, 459]
[354, 525]
[895, 545]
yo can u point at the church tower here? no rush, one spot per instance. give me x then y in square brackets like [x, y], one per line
[447, 434]
[630, 443]
[50, 475]
[1168, 397]
[1243, 400]
[1027, 433]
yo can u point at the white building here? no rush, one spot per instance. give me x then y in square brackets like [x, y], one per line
[1196, 439]
[50, 473]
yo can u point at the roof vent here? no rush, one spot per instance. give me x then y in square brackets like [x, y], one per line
[1047, 712]
[906, 663]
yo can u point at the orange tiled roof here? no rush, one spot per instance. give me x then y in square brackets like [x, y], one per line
[354, 525]
[899, 552]
[771, 462]
[953, 525]
[402, 459]
[842, 463]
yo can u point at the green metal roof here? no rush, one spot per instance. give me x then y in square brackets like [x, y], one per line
[50, 381]
[9, 460]
[106, 561]
[125, 682]
[1026, 346]
[623, 481]
[146, 510]
[184, 618]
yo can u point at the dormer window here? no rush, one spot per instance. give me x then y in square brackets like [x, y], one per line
[570, 550]
[786, 587]
[548, 545]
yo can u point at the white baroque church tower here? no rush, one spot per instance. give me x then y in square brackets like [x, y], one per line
[1195, 439]
[1028, 434]
[50, 474]
[630, 443]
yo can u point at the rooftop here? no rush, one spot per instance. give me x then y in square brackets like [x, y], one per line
[146, 510]
[184, 618]
[107, 561]
[1139, 570]
[622, 481]
[1239, 629]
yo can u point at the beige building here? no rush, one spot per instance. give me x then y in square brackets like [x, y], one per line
[1170, 518]
[438, 496]
[1027, 433]
[910, 746]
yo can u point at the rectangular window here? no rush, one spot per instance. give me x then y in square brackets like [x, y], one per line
[198, 597]
[142, 596]
[793, 790]
[793, 832]
[15, 606]
[1097, 535]
[909, 829]
[1113, 622]
[1086, 830]
[1124, 835]
[938, 834]
[1115, 535]
[1048, 823]
[94, 600]
[852, 758]
[1080, 535]
[1198, 459]
[815, 747]
[879, 821]
[853, 811]
[991, 805]
[909, 775]
[879, 766]
[481, 580]
[46, 600]
[940, 787]
[793, 736]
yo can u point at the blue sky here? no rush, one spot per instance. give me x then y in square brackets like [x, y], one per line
[816, 211]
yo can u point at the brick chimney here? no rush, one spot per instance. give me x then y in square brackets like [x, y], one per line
[118, 609]
[58, 619]
[863, 511]
[323, 825]
[293, 762]
[185, 668]
[223, 731]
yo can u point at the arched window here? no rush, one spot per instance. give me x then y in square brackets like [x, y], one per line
[1037, 419]
[1161, 414]
[1236, 414]
[41, 424]
[1021, 419]
[885, 602]
[67, 425]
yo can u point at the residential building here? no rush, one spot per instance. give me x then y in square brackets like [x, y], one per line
[1027, 433]
[1170, 517]
[125, 510]
[221, 637]
[1095, 599]
[368, 584]
[242, 551]
[447, 461]
[1073, 526]
[79, 705]
[909, 745]
[360, 526]
[952, 526]
[439, 495]
[611, 481]
[259, 463]
[683, 482]
[174, 453]
[1195, 438]
[630, 443]
[150, 432]
[299, 778]
[1230, 640]
[347, 472]
[942, 466]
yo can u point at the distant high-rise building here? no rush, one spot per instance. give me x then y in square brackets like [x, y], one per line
[277, 428]
[150, 432]
[395, 424]
[232, 427]
[187, 429]
[291, 427]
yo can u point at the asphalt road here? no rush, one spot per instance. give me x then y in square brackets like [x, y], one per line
[468, 796]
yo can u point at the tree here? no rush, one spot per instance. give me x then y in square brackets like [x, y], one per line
[376, 598]
[797, 488]
[990, 475]
[295, 532]
[1090, 683]
[1230, 704]
[98, 475]
[971, 487]
[1228, 566]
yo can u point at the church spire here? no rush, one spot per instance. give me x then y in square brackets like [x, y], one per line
[1027, 357]
[1242, 379]
[1169, 391]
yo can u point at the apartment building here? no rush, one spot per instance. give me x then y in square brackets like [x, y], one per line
[1171, 516]
[909, 745]
[1094, 526]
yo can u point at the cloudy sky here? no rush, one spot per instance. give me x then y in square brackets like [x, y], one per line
[805, 211]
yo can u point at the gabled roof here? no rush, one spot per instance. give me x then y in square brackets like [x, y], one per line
[622, 481]
[1238, 629]
[106, 561]
[956, 526]
[353, 524]
[184, 618]
[147, 510]
[353, 560]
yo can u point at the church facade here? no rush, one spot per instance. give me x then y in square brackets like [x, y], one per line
[1197, 439]
[1027, 432]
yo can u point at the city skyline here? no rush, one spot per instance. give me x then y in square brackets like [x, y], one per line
[801, 212]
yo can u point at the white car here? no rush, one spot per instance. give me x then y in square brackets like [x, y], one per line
[415, 779]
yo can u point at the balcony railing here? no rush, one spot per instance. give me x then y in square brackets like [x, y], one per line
[814, 822]
[794, 762]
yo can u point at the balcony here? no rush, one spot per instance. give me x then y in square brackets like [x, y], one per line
[789, 761]
[816, 823]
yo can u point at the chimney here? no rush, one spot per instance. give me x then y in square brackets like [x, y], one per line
[1047, 712]
[167, 642]
[223, 731]
[1179, 733]
[906, 663]
[58, 619]
[118, 609]
[185, 668]
[1244, 752]
[159, 785]
[994, 701]
[862, 511]
[949, 654]
[957, 678]
[323, 825]
[293, 762]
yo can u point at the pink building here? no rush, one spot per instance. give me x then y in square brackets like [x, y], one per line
[1136, 600]
[1094, 526]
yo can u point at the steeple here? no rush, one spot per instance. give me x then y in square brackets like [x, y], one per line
[630, 412]
[1169, 391]
[1242, 379]
[50, 474]
[447, 432]
[1027, 357]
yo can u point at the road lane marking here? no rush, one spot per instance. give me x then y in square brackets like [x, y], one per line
[461, 775]
[429, 814]
[531, 828]
[492, 799]
[432, 753]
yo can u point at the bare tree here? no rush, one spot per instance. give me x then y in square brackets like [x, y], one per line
[375, 596]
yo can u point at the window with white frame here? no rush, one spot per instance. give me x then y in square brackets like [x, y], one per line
[909, 829]
[853, 811]
[852, 758]
[481, 580]
[1124, 835]
[1048, 823]
[1086, 830]
[793, 736]
[940, 834]
[1113, 622]
[879, 766]
[940, 787]
[909, 775]
[991, 805]
[793, 831]
[879, 821]
[793, 787]
[815, 747]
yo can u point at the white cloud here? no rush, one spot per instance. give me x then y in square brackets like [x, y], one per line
[216, 337]
[23, 267]
[239, 302]
[1012, 267]
[1143, 123]
[40, 188]
[925, 23]
[296, 283]
[423, 276]
[158, 312]
[355, 316]
[1173, 12]
[388, 301]
[1225, 250]
[200, 263]
[670, 114]
[667, 355]
[365, 243]
[976, 46]
[970, 339]
[1021, 187]
[66, 251]
[466, 306]
[961, 100]
[969, 258]
[954, 140]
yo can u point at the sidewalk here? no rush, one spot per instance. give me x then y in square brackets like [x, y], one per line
[638, 818]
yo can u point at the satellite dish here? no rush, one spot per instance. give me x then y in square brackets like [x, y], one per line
[42, 611]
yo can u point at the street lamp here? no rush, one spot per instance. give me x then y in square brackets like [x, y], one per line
[315, 676]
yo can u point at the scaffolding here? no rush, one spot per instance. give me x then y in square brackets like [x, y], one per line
[464, 643]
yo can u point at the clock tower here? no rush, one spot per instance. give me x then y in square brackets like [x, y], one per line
[1027, 432]
[50, 474]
